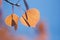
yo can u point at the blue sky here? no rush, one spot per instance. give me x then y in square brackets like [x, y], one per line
[49, 11]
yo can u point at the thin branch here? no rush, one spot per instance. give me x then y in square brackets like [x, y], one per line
[26, 21]
[9, 2]
[12, 3]
[26, 5]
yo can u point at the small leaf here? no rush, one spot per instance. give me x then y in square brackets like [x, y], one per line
[12, 21]
[33, 17]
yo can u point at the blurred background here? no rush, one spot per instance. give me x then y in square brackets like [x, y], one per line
[49, 12]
